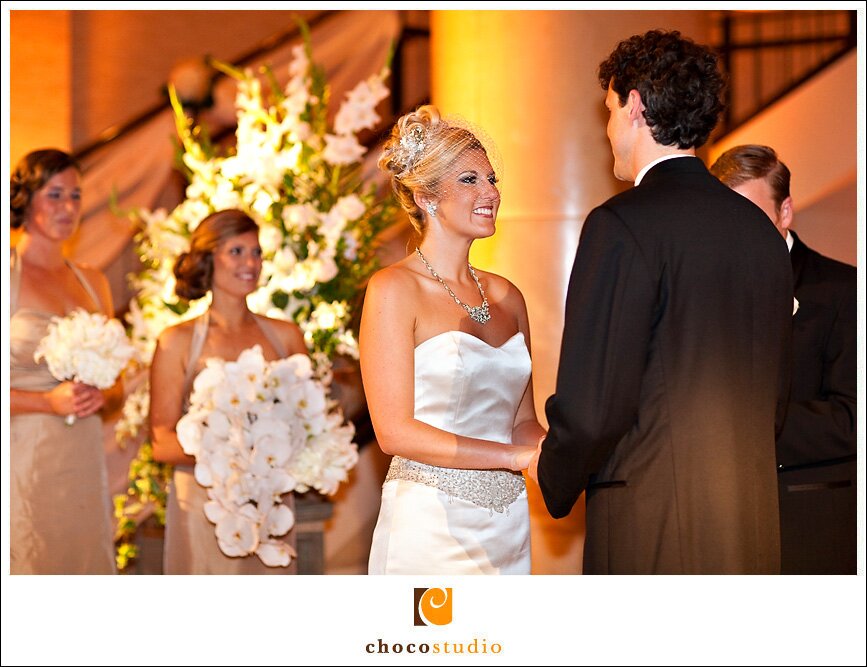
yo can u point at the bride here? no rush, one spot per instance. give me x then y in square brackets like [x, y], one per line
[445, 362]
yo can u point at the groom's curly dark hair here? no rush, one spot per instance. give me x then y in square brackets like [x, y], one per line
[679, 81]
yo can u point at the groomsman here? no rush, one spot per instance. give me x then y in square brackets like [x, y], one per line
[816, 470]
[674, 367]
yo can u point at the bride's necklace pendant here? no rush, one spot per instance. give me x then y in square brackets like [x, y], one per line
[480, 314]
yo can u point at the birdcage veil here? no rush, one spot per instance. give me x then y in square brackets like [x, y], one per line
[425, 144]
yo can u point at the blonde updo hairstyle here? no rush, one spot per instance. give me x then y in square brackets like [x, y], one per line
[31, 173]
[194, 270]
[418, 155]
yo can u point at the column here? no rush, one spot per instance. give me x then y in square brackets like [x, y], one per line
[529, 79]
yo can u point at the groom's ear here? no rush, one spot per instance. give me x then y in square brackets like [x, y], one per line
[636, 106]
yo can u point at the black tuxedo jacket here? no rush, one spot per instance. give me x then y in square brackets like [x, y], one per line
[816, 448]
[673, 377]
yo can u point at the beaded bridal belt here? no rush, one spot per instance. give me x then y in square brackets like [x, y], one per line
[492, 489]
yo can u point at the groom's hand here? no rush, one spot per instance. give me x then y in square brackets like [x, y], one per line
[521, 457]
[533, 468]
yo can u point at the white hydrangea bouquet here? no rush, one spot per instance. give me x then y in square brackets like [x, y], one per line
[85, 347]
[260, 429]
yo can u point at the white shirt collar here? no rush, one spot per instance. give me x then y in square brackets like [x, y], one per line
[649, 165]
[790, 241]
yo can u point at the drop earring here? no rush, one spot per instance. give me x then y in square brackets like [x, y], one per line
[431, 209]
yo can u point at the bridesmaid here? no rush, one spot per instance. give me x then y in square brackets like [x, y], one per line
[60, 510]
[226, 260]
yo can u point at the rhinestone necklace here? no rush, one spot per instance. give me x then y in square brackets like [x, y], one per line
[479, 314]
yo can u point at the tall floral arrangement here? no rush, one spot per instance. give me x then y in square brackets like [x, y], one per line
[298, 176]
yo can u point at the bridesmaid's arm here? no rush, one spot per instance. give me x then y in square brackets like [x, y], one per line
[65, 399]
[114, 395]
[387, 345]
[167, 373]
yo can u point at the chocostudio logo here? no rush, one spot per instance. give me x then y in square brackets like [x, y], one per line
[433, 606]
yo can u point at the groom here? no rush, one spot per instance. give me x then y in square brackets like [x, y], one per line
[674, 367]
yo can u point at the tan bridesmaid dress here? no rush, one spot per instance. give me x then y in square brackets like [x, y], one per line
[190, 542]
[60, 511]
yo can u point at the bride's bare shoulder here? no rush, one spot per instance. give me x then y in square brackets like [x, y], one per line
[395, 279]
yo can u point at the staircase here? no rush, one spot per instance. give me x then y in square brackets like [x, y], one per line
[768, 54]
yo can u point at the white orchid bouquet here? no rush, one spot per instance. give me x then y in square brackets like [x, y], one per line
[85, 347]
[300, 179]
[260, 429]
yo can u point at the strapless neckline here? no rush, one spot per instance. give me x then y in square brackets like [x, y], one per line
[471, 336]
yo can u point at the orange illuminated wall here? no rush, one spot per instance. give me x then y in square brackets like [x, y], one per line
[40, 81]
[75, 74]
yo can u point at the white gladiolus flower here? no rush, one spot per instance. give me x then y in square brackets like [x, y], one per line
[347, 344]
[350, 246]
[260, 300]
[342, 149]
[351, 207]
[168, 291]
[332, 227]
[292, 106]
[329, 315]
[324, 268]
[358, 111]
[191, 212]
[249, 97]
[270, 238]
[300, 62]
[284, 260]
[134, 414]
[224, 196]
[299, 217]
[302, 278]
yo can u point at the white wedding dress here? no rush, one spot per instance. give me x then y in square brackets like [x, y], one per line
[452, 521]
